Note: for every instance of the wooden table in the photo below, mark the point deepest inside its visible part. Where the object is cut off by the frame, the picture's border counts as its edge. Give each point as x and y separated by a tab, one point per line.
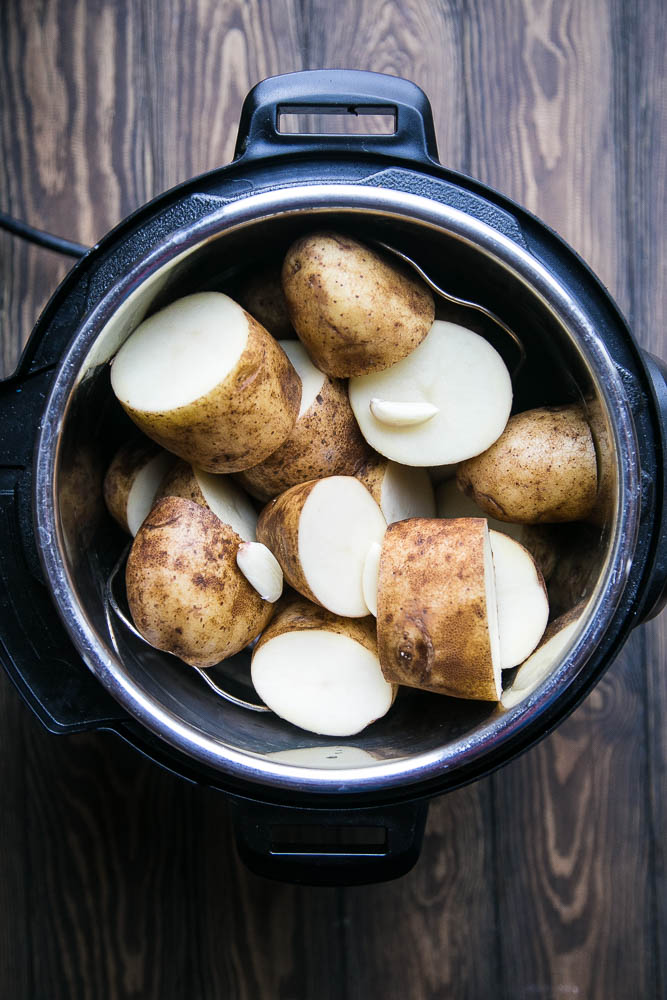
545	880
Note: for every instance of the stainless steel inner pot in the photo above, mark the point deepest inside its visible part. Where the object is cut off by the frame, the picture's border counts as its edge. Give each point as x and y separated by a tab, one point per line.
424	737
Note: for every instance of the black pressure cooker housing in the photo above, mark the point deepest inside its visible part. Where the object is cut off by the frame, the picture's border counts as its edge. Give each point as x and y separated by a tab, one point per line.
36	648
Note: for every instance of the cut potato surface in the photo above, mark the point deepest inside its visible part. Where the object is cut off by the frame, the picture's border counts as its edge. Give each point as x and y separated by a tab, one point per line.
325	440
132	482
523	607
185	592
541	470
533	671
207	382
312	379
221	494
437	614
186	348
321	672
454	370
400	491
320	533
356	311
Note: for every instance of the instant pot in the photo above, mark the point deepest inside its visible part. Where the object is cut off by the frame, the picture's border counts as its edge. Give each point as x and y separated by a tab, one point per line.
308	808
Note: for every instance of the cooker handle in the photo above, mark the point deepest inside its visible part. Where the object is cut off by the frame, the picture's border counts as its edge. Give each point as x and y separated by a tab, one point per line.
655	592
35	651
337	91
329	846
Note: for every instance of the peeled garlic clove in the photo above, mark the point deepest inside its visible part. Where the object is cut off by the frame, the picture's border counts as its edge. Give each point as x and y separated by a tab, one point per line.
401	413
261	569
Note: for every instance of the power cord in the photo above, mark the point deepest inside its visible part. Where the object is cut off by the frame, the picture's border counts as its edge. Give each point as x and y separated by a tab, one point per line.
42	239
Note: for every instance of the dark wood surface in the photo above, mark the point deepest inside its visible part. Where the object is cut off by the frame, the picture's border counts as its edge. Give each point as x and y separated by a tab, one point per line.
545	880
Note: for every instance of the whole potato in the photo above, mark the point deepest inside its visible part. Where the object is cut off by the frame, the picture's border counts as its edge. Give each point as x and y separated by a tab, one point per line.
355	311
185	591
542	469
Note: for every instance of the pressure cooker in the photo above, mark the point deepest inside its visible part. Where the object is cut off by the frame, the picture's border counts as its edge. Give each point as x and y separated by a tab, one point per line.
308	808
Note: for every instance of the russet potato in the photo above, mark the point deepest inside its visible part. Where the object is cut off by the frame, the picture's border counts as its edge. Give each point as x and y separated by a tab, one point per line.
320	671
354	310
206	381
218	493
437	616
132	482
325	440
261	294
542	469
185	591
320	533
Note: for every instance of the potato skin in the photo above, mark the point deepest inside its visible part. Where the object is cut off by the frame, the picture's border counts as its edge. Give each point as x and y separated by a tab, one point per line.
296	614
262	296
278	529
181	481
541	470
355	311
371	473
239	422
325	441
432	616
184	589
126	463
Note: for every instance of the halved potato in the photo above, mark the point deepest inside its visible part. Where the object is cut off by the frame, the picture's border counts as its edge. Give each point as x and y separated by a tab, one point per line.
219	493
542	469
325	440
320	671
523	606
132	482
206	381
399	490
460	376
320	533
437	616
355	310
185	592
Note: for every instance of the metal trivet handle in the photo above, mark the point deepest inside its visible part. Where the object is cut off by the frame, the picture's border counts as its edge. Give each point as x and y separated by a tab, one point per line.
111	604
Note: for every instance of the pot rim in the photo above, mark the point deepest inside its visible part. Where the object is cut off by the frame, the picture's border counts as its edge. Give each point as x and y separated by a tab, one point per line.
500	728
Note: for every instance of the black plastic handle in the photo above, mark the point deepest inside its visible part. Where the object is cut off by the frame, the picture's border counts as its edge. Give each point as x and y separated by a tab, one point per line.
337	91
329	846
34	648
655	592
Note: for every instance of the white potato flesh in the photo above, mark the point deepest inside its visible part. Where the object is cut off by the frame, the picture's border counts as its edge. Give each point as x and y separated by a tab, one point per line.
370	578
181	353
321	681
523	607
312	379
456	371
144	488
228	502
451	502
261	569
537	667
492	613
338	523
406	492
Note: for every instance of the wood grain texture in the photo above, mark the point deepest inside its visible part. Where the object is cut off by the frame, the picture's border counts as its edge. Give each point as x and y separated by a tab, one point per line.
546	880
